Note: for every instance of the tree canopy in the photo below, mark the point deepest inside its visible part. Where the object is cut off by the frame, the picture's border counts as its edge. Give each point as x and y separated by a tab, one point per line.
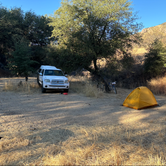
16	25
94	29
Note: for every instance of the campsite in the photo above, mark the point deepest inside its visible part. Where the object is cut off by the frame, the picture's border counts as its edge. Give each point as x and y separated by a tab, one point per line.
75	129
82	82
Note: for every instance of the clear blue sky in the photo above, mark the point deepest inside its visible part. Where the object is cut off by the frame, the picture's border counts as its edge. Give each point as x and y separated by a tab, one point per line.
150	12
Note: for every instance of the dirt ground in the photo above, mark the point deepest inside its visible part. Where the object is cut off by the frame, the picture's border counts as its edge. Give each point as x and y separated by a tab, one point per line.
42	116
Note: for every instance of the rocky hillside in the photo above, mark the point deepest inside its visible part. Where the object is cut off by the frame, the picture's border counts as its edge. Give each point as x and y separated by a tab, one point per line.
149	34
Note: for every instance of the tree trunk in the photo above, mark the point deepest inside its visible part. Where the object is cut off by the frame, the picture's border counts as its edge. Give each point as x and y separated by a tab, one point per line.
95	65
26	78
98	75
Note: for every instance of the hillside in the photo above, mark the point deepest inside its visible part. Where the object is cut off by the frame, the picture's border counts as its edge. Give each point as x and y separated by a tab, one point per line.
148	36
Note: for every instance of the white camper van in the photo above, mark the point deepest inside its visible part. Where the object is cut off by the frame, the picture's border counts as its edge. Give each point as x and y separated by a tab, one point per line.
49	77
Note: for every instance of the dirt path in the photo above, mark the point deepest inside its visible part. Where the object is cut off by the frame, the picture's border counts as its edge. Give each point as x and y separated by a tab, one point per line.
20	110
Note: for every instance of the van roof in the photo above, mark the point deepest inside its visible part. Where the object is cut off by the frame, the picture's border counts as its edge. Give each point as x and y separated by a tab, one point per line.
48	67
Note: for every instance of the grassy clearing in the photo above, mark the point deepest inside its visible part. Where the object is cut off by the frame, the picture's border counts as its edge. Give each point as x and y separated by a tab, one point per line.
21	86
85	86
141	143
78	84
158	85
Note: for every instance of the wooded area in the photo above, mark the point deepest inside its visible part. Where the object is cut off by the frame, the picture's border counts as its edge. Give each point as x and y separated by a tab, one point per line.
80	33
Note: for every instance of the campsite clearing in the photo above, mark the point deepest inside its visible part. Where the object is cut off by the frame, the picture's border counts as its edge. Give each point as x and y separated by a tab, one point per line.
34	126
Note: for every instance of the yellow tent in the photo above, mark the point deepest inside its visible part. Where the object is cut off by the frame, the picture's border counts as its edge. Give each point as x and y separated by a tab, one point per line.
140	98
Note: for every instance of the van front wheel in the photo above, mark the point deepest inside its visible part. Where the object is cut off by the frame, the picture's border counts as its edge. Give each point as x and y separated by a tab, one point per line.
43	90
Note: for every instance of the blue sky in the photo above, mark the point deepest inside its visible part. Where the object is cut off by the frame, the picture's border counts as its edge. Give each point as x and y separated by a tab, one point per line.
150	12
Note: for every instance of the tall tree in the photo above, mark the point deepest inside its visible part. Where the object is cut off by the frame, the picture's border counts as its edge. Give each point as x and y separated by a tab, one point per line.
94	29
154	61
10	29
20	63
15	25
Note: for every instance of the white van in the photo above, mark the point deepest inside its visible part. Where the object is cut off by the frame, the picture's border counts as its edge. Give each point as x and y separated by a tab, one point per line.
49	77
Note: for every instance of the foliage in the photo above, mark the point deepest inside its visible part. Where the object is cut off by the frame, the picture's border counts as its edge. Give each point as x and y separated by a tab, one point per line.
10	28
65	59
15	25
94	29
20	62
154	61
127	61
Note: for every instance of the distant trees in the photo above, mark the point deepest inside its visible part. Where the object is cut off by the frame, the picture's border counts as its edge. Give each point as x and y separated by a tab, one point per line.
154	61
15	25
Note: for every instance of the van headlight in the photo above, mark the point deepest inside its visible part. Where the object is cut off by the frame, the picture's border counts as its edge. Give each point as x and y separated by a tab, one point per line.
66	81
46	80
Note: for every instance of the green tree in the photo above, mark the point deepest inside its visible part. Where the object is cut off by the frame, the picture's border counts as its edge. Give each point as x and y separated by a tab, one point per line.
154	61
97	28
20	63
94	29
10	28
15	25
65	59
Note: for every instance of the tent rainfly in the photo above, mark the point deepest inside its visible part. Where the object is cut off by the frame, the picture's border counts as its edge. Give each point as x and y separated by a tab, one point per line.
140	98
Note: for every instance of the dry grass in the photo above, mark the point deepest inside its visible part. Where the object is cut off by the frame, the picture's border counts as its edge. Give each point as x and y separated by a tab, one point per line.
138	144
78	84
158	85
139	51
110	145
85	86
21	86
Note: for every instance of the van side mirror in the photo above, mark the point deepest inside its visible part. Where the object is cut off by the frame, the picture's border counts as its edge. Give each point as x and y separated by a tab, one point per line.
65	75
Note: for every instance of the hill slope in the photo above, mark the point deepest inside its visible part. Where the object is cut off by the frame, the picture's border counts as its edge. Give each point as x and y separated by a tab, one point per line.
148	36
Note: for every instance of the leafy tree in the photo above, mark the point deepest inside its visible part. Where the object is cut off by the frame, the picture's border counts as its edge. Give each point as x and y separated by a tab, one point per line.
154	61
20	63
65	59
36	29
94	29
10	24
15	25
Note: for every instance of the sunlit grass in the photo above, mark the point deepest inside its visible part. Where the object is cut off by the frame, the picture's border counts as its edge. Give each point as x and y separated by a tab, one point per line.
108	145
141	143
21	86
89	145
158	85
85	86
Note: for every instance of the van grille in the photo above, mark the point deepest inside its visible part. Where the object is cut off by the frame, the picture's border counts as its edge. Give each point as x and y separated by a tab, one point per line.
56	86
57	82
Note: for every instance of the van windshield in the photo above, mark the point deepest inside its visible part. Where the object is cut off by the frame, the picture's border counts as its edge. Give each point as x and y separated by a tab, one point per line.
53	73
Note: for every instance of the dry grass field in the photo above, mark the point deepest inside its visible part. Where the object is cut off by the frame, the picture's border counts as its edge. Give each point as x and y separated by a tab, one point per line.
158	85
85	127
